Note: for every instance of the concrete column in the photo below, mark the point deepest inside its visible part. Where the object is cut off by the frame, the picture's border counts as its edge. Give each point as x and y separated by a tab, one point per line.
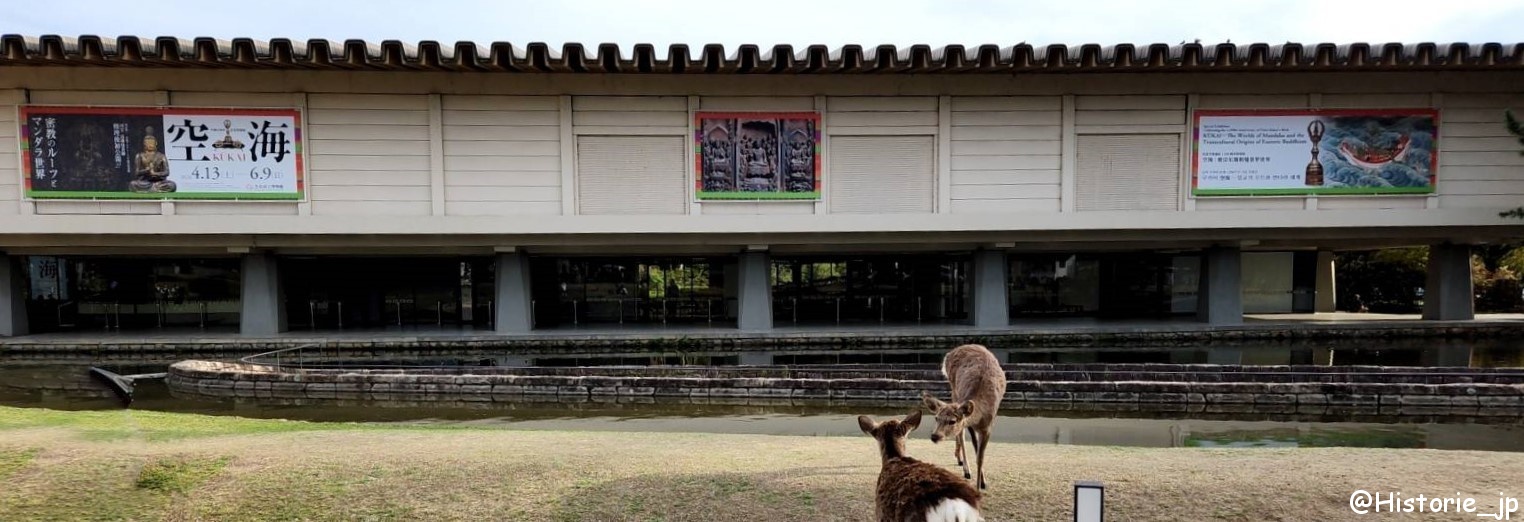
1324	296
990	291
1220	299
513	306
13	319
263	307
755	291
1447	294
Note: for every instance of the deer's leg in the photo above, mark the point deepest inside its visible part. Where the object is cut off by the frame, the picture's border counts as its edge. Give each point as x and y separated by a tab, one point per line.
973	438
979	445
961	455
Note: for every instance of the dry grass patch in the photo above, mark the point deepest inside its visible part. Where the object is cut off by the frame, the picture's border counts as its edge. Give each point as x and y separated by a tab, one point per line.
391	473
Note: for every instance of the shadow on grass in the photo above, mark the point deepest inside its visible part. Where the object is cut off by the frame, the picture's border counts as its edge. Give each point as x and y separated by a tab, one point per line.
812	493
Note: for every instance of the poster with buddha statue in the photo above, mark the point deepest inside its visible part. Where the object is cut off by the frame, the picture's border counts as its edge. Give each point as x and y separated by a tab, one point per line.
161	153
757	156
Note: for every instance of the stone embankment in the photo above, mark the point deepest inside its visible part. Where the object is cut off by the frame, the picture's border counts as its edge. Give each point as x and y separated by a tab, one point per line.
560	344
1301	389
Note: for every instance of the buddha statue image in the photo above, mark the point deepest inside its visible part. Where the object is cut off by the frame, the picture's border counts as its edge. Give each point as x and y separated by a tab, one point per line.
227	141
150	169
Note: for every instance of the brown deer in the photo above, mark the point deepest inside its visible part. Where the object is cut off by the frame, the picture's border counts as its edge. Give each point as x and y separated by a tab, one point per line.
978	384
913	491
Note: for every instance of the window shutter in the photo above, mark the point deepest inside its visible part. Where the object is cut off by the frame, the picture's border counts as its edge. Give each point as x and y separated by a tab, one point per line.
1127	172
631	175
882	174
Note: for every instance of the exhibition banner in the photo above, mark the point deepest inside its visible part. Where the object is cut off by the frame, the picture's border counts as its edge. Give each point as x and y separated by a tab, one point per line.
1314	151
757	155
161	153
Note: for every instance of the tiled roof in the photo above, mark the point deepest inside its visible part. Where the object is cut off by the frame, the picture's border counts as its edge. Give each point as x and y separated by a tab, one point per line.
245	53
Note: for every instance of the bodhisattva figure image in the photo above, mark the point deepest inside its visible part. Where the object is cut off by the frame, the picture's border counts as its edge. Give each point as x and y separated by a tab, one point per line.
150	169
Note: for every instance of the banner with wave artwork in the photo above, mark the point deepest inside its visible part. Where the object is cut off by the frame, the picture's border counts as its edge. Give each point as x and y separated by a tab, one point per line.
1315	151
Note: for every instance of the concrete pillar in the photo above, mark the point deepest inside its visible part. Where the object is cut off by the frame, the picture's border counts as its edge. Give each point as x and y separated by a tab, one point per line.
1447	294
13	319
990	290
1220	298
1323	294
513	305
263	307
755	292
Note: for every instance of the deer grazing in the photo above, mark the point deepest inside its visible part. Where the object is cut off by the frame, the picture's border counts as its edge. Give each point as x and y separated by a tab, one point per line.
978	384
913	491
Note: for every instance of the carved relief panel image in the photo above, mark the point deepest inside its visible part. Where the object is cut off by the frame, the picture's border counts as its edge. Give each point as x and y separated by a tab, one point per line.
753	156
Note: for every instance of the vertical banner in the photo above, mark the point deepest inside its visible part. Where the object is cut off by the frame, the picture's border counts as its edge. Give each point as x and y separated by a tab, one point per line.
1308	151
757	155
161	153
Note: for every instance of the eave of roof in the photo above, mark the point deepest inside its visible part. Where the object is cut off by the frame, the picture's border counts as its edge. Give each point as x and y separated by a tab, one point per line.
392	55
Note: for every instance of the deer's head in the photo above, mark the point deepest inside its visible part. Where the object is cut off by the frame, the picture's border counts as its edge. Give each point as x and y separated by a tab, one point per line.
950	416
891	433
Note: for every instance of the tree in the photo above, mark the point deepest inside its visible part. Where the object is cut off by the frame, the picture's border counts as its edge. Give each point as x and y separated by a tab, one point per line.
1516	128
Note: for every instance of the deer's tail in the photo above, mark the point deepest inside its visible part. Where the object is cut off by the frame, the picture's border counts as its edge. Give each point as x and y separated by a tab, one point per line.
953	510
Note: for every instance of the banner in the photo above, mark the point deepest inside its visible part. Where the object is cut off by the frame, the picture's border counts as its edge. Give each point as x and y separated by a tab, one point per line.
1311	151
161	153
757	155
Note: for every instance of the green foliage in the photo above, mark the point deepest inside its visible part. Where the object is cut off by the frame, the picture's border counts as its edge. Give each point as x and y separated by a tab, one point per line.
1388	281
154	425
1381	281
1497	290
1513	260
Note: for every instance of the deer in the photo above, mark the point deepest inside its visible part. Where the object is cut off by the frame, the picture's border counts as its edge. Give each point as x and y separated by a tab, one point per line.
913	491
978	384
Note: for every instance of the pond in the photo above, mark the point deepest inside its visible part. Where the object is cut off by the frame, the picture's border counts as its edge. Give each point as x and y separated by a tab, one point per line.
68	386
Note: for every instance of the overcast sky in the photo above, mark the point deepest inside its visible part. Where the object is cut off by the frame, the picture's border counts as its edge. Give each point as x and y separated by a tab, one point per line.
797	22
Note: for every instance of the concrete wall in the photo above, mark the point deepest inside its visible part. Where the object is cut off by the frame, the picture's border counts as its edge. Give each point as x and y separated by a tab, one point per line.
405	146
1221	386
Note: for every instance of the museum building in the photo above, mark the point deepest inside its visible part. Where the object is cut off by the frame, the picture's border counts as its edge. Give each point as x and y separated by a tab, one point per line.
272	186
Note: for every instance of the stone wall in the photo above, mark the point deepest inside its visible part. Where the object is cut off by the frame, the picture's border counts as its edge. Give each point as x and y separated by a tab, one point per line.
572	343
1394	391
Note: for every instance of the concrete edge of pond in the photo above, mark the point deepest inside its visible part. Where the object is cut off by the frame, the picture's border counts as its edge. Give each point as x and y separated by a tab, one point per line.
1439	394
685	341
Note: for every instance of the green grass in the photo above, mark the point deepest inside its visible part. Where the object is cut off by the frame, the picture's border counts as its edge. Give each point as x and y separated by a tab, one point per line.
156	426
179	474
12	460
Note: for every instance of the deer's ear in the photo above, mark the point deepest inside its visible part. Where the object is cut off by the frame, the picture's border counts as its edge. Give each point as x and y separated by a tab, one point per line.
966	408
866	424
931	402
911	422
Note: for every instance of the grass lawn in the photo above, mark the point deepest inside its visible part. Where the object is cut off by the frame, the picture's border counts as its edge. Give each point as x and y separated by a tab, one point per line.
138	465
